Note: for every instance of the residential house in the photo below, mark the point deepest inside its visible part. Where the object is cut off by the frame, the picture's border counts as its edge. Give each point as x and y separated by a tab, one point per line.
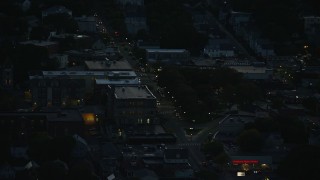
24	5
6	76
311	29
7	172
219	48
56	10
262	47
135	21
238	20
86	24
60	59
311	24
81	148
200	20
98	45
216	33
265	49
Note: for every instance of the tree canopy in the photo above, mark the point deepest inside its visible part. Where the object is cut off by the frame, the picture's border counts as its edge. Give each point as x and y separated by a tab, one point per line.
169	21
250	140
301	163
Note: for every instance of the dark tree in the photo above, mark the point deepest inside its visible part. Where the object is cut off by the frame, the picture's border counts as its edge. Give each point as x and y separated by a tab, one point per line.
61	23
250	140
301	163
213	148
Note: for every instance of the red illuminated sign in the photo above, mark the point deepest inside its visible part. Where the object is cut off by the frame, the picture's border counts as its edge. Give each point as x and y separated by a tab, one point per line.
245	161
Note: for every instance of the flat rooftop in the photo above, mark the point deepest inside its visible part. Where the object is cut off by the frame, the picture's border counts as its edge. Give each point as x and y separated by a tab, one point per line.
39	43
85	18
166	50
205	62
135	81
109	74
108	65
250	69
133	92
65	35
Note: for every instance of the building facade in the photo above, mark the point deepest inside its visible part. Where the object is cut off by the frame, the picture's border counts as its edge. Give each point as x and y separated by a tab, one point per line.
86	24
132	105
168	56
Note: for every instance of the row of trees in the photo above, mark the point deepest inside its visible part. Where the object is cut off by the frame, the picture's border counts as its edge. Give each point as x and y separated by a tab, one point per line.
172	26
202	91
279	20
292	130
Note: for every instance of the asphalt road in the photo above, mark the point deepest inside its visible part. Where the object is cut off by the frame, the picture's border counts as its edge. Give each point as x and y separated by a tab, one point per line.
172	122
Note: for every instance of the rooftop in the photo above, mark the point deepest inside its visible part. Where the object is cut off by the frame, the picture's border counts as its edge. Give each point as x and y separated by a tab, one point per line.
65	35
85	18
108	65
250	69
56	9
109	74
135	81
166	50
132	92
39	43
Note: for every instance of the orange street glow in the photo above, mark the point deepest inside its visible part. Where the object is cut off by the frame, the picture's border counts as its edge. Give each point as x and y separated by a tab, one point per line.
89	118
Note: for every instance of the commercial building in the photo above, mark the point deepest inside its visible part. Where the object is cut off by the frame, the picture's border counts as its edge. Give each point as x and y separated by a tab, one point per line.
59	88
56	123
57	92
108	65
132	105
168	56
